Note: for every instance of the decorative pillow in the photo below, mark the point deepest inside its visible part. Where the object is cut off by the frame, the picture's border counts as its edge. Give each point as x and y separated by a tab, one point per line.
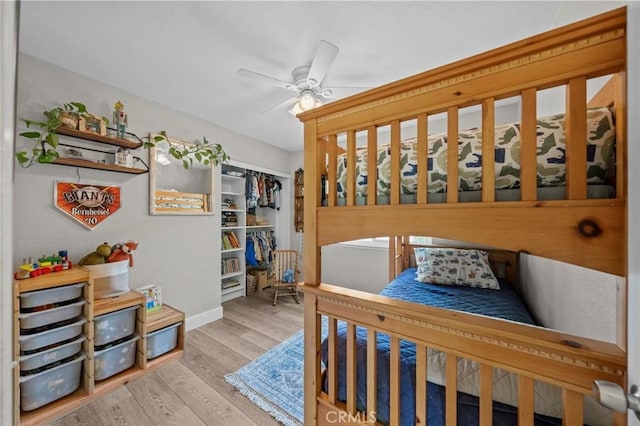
451	266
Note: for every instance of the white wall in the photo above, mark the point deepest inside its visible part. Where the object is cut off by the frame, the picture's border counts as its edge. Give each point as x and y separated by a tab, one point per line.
358	268
569	298
178	253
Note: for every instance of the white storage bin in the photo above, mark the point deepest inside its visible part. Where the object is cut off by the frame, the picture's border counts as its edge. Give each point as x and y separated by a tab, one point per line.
162	341
50	316
114	359
109	279
53	295
49	356
32	342
42	388
114	326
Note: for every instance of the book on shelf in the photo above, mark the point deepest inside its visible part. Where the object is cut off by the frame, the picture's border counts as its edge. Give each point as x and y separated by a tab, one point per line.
230	241
230	265
230	283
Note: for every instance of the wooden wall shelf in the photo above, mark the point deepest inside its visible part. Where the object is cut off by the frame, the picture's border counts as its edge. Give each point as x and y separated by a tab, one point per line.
100	139
121	142
98	166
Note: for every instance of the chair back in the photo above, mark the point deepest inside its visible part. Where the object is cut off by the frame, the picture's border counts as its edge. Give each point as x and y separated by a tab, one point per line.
284	260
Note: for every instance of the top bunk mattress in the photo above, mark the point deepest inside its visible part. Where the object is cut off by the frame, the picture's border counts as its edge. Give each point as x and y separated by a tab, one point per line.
551	170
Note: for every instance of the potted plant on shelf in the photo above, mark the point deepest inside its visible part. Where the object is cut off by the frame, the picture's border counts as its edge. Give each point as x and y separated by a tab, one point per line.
46	140
45	149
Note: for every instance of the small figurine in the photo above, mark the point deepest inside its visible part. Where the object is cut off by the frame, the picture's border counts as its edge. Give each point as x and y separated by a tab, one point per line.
120	119
124	158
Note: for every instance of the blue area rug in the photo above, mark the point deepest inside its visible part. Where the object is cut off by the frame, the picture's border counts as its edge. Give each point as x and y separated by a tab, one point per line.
275	380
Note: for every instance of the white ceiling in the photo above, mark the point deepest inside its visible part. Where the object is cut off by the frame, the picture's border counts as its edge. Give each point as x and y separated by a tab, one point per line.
186	54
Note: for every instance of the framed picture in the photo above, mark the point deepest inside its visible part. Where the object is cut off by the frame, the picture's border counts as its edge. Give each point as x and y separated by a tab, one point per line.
92	124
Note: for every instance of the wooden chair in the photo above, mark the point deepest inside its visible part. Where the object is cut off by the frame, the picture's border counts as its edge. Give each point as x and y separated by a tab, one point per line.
285	265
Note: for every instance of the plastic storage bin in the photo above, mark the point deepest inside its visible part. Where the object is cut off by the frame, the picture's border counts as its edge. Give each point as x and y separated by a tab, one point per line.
53	295
33	342
114	326
114	359
50	316
109	279
162	341
49	356
42	388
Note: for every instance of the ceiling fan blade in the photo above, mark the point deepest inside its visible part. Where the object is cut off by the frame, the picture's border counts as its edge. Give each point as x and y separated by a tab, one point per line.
279	104
242	72
322	61
340	92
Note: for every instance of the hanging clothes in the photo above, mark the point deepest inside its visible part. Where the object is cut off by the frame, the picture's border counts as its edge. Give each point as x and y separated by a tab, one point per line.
262	184
260	248
275	197
252	191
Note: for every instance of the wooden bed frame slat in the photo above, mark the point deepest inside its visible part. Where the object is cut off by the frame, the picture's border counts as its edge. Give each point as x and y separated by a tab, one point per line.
576	134
528	153
452	155
488	151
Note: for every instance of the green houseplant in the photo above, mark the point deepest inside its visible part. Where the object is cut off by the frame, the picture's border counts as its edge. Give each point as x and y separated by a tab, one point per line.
46	139
45	149
206	152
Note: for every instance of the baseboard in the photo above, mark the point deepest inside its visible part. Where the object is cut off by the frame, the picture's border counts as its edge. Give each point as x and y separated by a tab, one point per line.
203	318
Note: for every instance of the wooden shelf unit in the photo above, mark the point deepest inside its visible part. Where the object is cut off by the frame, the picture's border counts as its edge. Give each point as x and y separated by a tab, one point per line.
86	164
298	208
89	388
94	137
100	139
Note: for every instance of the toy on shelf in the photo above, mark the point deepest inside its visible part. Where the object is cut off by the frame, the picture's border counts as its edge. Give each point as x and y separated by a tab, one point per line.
98	257
123	251
153	298
120	119
44	265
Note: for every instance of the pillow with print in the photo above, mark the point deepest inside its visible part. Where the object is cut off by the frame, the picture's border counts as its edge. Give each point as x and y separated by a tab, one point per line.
449	266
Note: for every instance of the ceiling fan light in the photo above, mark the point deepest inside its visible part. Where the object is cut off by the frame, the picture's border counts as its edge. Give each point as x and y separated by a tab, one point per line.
307	101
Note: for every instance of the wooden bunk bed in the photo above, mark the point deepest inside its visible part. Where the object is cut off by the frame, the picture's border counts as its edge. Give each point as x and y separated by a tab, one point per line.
577	228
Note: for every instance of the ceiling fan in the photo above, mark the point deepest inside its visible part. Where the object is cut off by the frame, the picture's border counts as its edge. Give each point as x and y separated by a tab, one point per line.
306	81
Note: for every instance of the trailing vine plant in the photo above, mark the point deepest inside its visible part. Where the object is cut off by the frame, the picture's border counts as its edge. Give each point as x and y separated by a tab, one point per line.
46	141
206	153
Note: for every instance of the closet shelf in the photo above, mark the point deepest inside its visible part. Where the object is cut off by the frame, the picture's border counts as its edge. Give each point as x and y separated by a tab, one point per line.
231	274
260	226
233	250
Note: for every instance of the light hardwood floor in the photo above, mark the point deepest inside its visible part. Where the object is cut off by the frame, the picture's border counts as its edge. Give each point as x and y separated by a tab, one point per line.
192	390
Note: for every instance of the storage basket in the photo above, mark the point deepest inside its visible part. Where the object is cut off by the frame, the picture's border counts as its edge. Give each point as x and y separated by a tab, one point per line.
50	296
49	356
252	284
251	220
39	341
114	359
162	341
50	316
42	388
109	279
114	326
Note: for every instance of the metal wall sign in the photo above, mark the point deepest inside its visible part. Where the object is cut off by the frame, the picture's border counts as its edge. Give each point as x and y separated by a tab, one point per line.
88	204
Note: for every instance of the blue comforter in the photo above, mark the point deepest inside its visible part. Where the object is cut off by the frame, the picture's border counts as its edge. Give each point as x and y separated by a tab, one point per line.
505	304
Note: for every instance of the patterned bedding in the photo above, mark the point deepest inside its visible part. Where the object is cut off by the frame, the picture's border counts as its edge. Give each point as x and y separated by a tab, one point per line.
551	157
505	304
